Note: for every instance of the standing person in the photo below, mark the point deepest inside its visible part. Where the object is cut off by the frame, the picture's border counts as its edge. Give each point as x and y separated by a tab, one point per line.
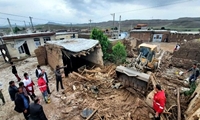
21	84
159	101
14	71
21	103
1	94
12	90
36	111
43	87
28	84
38	71
59	77
194	75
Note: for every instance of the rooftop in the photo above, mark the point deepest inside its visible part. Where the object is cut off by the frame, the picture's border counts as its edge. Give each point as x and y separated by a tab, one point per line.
27	35
65	33
75	45
145	30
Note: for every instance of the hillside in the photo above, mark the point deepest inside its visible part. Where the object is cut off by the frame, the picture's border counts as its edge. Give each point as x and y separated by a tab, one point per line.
180	24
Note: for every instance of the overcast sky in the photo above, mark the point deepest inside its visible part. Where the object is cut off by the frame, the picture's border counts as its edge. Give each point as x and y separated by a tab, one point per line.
80	11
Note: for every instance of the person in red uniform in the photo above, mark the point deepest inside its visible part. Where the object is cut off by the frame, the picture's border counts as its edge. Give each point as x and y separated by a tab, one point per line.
159	101
43	87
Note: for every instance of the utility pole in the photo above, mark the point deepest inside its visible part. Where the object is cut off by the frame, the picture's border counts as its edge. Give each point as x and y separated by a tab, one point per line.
25	24
90	23
119	26
113	14
15	25
49	28
31	23
10	25
71	27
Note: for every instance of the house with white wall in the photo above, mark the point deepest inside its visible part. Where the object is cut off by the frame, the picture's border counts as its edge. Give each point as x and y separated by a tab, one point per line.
20	45
66	35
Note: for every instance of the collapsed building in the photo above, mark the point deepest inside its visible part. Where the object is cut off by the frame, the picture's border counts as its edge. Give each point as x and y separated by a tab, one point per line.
71	52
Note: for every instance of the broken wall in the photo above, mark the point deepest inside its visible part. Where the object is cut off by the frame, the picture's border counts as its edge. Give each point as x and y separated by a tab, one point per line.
187	54
145	36
193	111
41	55
54	55
95	56
178	37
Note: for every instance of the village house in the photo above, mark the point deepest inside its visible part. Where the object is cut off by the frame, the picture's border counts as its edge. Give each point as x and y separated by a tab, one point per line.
72	52
65	35
20	45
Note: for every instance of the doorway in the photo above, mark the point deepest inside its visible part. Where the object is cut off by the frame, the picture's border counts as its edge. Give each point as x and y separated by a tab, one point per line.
26	50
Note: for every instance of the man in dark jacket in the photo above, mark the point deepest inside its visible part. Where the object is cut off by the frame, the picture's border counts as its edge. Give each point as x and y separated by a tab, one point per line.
12	90
36	111
59	77
194	75
22	103
39	71
14	71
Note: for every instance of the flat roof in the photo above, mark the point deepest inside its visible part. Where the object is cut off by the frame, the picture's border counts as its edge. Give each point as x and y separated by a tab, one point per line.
75	45
145	30
65	33
27	35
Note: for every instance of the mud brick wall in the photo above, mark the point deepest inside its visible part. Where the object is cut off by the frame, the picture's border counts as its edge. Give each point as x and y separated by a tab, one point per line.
145	36
188	54
41	55
177	37
54	55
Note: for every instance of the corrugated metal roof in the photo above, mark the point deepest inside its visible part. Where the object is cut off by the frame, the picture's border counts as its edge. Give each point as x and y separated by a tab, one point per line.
75	45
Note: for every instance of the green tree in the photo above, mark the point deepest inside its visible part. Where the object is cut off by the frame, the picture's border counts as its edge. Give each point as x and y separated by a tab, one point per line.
119	53
16	29
103	40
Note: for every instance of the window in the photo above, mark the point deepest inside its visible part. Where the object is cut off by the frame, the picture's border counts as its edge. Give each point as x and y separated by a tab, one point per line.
37	42
46	39
21	49
62	38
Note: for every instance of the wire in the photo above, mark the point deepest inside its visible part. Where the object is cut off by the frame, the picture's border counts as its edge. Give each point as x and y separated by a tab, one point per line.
13	20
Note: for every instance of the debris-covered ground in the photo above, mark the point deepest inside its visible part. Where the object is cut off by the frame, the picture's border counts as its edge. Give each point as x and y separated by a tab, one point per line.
93	89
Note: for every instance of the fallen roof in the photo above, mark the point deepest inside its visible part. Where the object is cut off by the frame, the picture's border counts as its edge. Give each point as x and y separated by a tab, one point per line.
27	35
75	45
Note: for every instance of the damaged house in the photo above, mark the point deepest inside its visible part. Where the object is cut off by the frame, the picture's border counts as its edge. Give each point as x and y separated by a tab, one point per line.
71	52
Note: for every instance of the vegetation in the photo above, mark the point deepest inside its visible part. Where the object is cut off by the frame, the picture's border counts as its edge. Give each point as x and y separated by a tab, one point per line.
16	29
103	40
115	54
119	53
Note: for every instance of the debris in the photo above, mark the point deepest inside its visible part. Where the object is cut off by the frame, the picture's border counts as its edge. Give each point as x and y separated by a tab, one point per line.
116	85
178	105
92	114
74	87
86	112
94	89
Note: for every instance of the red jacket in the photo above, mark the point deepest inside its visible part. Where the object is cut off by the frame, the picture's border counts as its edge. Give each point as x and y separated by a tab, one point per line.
159	101
42	84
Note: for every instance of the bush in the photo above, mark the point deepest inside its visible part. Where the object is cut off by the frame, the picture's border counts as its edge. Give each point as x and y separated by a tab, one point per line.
119	53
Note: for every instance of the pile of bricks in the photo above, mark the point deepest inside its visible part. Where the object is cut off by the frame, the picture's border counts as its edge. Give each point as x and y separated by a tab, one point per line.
40	53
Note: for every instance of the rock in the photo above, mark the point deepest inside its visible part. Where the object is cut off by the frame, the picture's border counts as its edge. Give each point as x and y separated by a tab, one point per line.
151	116
74	87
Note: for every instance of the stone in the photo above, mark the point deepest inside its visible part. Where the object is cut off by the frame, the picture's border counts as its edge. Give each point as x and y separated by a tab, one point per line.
86	112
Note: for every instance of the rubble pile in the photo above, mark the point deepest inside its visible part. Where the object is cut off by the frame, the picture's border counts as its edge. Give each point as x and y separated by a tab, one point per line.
94	90
187	54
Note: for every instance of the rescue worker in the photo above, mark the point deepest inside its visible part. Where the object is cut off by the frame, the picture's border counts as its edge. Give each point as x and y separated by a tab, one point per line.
14	71
12	90
38	71
195	74
21	103
43	87
59	77
1	94
36	111
159	101
28	84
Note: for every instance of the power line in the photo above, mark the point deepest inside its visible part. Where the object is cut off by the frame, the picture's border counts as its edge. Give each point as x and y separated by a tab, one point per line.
13	20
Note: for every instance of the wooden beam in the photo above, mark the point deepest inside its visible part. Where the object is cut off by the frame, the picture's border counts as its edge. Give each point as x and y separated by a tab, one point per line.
178	104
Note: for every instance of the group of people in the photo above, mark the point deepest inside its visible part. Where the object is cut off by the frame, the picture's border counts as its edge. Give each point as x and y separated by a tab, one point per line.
20	95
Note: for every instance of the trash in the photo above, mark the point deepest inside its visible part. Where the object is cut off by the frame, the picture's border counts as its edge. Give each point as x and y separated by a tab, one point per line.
181	73
86	112
116	85
74	87
94	89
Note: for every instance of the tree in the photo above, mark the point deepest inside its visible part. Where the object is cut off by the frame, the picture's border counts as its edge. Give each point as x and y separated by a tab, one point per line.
16	29
103	40
162	28
119	53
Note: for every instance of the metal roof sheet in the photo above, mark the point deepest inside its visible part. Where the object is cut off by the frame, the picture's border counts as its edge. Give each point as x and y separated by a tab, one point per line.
75	45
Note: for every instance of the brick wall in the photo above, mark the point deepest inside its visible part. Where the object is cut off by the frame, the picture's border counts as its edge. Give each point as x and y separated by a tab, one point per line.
41	55
177	37
144	36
